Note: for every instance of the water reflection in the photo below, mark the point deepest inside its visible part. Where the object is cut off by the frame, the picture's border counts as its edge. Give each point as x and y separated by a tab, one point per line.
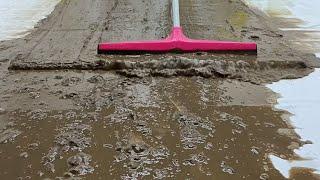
300	97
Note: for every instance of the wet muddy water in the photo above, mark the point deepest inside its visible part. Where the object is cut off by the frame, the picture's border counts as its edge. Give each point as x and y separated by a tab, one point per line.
160	128
65	124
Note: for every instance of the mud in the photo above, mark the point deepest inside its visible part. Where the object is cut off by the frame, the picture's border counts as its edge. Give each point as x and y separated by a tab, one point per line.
73	114
9	135
64	42
72	137
145	127
80	164
232	68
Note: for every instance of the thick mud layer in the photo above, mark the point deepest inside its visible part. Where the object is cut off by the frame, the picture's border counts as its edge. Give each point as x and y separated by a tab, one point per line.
196	116
221	67
154	128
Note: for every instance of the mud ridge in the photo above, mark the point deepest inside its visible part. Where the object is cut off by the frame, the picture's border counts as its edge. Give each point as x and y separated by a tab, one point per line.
180	66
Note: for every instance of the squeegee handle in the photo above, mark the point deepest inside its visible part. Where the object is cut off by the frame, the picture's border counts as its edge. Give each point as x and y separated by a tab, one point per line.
175	13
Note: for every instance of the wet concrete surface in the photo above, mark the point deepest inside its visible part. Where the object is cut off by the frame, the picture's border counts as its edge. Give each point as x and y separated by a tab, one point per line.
97	124
68	38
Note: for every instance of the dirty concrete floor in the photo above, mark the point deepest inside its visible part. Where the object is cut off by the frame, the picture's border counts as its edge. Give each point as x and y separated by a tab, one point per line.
214	121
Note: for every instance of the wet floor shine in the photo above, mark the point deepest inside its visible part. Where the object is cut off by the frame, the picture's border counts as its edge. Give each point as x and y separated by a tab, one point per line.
300	97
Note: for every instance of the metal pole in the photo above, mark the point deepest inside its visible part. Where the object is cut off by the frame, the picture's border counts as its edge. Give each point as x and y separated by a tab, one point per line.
175	13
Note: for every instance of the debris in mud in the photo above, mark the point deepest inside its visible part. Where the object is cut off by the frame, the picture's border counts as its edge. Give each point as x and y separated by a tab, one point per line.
196	159
135	145
139	157
70	81
226	168
264	176
38	114
190	127
209	146
34	95
142	127
121	115
71	114
33	146
95	79
24	155
71	137
109	146
9	135
255	150
234	120
160	174
190	137
48	160
26	90
74	136
80	164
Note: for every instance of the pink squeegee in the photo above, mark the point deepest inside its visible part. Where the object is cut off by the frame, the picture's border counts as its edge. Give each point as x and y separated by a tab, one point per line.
177	41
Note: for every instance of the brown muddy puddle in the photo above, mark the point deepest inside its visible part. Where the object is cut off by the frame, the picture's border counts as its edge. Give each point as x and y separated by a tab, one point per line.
95	125
152	128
